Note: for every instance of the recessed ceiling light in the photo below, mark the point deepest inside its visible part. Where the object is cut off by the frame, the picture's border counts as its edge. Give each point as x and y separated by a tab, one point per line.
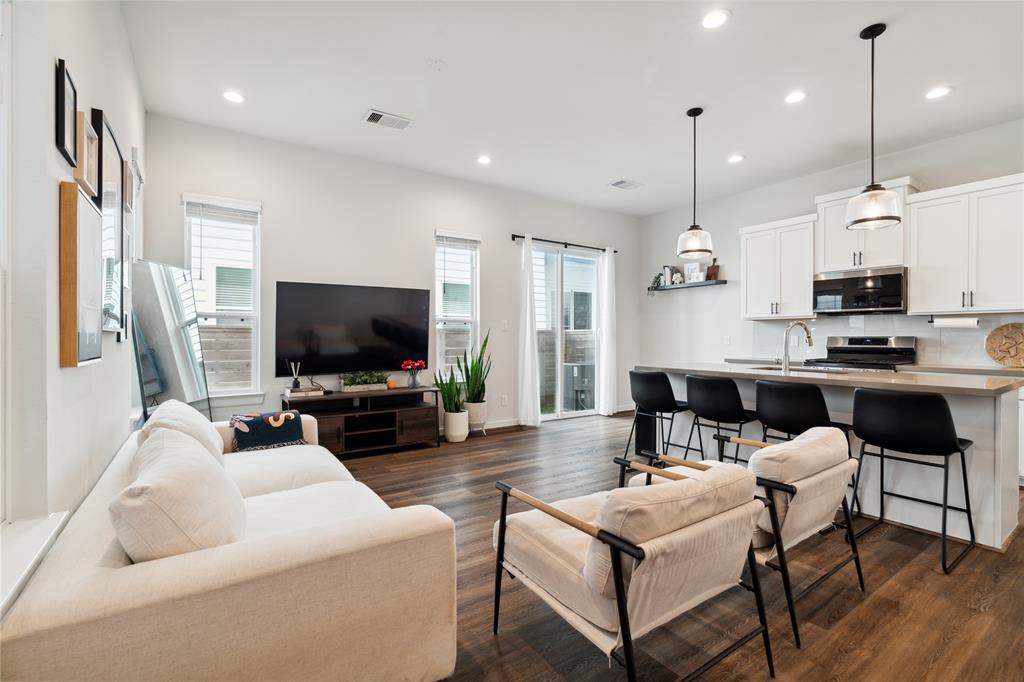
715	18
937	92
796	96
234	96
483	160
735	158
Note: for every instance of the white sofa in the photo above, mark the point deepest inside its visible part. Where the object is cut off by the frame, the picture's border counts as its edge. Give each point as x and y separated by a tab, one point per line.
327	583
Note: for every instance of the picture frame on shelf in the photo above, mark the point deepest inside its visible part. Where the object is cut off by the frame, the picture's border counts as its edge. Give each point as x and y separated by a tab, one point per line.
87	170
693	273
81	278
110	200
66	114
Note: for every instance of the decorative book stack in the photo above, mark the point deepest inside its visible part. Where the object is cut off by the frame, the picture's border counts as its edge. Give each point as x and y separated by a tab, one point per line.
305	392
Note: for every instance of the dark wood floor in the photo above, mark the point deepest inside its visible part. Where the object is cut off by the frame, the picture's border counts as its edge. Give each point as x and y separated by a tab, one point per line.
913	623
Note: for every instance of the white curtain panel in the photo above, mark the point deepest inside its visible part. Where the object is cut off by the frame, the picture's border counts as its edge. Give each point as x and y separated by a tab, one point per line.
529	382
606	370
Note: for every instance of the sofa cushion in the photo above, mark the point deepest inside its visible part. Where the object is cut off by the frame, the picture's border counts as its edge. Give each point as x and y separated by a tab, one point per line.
182	417
812	451
181	500
287	511
267	471
553	556
266	431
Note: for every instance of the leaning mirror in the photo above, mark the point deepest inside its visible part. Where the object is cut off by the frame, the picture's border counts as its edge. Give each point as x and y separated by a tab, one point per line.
168	352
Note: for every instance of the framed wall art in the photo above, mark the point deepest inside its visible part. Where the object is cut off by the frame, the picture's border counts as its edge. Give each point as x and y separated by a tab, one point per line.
110	200
87	170
81	278
66	114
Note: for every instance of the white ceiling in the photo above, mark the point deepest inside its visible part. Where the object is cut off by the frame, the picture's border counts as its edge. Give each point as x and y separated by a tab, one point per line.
569	97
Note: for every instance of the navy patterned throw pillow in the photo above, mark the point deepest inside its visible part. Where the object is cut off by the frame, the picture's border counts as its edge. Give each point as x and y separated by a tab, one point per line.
267	430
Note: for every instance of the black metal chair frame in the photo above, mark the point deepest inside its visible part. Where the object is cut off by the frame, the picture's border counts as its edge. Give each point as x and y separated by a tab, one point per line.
718	432
618	546
947	566
666	436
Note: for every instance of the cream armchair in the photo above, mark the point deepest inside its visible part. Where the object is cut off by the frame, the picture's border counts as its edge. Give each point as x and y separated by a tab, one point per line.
803	483
616	565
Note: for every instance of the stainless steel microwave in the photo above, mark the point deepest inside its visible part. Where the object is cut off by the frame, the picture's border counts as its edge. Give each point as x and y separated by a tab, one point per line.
857	292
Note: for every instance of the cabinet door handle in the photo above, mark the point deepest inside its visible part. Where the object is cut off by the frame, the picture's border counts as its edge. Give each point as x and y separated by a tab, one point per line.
963	299
860	258
854	258
972	299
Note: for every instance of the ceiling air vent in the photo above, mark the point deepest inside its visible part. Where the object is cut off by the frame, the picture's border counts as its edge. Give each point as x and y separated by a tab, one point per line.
387	120
626	184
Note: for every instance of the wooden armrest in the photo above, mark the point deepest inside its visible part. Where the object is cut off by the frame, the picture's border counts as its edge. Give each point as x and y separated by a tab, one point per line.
554	512
699	466
746	441
637	466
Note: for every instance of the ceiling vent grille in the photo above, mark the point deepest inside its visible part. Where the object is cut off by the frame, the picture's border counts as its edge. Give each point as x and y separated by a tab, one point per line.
387	120
626	184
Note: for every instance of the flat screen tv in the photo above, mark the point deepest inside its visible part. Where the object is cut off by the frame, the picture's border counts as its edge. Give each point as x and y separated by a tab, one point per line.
333	328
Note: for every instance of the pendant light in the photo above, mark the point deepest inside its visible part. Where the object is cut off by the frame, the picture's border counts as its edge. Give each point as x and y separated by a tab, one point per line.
695	243
875	207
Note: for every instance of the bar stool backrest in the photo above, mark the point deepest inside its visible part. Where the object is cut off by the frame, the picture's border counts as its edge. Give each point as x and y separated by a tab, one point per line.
915	423
791	408
652	391
715	399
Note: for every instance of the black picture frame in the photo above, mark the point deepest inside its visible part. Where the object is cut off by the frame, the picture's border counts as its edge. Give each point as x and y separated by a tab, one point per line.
110	200
65	114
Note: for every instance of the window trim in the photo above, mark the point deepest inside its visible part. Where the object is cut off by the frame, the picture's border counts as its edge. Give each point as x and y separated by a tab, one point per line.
255	386
474	297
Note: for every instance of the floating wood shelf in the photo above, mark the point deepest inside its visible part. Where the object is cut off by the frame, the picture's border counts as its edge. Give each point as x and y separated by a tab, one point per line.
689	285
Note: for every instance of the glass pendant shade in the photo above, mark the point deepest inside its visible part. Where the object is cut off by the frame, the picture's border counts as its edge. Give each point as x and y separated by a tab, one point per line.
874	208
694	244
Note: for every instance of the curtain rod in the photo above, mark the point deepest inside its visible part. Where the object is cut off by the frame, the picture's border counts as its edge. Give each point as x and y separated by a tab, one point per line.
565	244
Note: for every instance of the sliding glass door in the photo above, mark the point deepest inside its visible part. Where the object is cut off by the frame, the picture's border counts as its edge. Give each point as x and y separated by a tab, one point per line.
565	294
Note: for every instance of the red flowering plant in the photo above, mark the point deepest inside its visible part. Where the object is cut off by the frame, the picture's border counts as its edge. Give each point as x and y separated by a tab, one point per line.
413	367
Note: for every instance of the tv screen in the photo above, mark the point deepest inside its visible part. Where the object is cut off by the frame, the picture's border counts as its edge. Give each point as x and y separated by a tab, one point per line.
333	329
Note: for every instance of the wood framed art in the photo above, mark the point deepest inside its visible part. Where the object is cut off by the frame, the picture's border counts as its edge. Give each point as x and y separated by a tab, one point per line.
66	114
129	187
110	200
87	170
81	278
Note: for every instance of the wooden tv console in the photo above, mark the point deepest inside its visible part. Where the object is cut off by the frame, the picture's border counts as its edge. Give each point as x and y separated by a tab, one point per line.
362	422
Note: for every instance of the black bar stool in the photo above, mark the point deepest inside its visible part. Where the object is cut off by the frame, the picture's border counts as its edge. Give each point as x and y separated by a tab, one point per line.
917	424
653	395
717	400
791	409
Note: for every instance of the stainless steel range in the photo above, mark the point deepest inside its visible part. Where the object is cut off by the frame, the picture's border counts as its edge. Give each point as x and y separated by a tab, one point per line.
878	353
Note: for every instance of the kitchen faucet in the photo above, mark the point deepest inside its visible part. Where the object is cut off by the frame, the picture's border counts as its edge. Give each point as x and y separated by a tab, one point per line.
785	354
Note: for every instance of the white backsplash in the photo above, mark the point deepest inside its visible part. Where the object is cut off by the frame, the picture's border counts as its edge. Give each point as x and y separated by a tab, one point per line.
934	346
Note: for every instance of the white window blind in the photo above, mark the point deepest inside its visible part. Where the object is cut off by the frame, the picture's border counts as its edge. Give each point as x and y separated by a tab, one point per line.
223	240
456	291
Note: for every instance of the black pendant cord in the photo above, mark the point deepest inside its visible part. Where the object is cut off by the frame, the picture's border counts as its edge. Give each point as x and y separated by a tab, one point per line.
872	111
694	171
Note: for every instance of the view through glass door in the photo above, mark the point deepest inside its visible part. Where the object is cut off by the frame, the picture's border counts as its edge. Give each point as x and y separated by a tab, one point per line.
565	294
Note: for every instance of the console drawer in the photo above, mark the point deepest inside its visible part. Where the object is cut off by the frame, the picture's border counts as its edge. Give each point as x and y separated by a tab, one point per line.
417	425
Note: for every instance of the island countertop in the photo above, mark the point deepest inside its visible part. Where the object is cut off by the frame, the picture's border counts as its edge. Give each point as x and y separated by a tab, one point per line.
923	382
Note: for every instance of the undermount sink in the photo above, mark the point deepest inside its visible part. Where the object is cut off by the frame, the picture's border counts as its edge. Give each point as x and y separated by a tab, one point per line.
832	370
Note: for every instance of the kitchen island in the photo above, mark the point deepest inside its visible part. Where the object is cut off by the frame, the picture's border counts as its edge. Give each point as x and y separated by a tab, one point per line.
984	410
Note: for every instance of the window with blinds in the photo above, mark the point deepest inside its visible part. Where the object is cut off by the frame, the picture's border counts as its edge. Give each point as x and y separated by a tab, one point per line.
456	292
222	245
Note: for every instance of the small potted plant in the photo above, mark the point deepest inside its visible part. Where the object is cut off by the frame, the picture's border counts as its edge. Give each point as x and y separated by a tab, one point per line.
474	370
364	381
412	368
456	419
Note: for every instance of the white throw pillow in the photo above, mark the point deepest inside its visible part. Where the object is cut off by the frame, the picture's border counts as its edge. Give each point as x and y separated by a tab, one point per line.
181	501
182	417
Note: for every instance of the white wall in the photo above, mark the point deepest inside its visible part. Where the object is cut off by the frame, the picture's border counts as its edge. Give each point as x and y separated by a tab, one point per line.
695	324
66	423
337	219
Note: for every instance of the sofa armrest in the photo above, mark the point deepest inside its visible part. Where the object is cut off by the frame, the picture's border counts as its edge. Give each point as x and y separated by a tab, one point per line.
364	598
310	432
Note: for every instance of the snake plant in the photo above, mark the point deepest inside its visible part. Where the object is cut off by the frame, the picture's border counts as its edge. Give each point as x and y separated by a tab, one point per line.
474	370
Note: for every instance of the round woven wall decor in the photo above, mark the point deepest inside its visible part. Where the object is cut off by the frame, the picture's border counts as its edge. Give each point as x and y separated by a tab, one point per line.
1005	344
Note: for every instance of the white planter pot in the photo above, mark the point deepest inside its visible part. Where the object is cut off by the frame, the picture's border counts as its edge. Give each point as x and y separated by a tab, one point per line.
477	416
456	426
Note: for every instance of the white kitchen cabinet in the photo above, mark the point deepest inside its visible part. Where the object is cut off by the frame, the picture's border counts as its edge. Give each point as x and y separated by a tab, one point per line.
777	266
967	247
837	248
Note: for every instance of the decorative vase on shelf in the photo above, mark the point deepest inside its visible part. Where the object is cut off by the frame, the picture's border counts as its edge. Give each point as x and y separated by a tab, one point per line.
412	368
